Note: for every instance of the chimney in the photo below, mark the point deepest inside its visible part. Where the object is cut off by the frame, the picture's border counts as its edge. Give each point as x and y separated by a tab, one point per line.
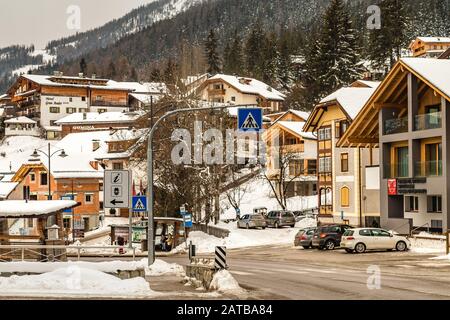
241	80
94	76
56	73
84	115
81	75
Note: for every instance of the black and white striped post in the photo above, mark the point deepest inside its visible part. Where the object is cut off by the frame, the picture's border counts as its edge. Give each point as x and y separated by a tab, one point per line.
192	252
220	259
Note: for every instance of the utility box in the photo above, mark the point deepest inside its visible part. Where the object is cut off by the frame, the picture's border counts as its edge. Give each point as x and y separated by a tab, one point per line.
53	233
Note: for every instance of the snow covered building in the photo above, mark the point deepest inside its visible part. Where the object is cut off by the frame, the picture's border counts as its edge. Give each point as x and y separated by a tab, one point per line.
429	47
408	119
94	121
48	99
21	126
295	165
345	192
241	91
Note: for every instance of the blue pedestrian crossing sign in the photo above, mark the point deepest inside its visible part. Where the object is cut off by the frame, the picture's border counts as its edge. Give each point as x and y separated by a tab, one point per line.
187	217
250	119
139	204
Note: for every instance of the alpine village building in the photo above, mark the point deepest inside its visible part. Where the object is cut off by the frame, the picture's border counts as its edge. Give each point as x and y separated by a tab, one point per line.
347	193
407	118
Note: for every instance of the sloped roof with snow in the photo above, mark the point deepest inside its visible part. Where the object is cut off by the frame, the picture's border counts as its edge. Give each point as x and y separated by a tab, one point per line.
20	208
22	120
95	117
253	87
434	39
6	188
351	99
302	114
436	71
297	127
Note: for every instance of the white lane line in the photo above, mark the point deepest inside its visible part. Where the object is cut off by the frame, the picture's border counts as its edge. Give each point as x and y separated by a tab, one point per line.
241	273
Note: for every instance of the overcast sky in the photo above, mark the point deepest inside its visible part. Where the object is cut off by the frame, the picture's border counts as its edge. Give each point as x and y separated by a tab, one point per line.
39	21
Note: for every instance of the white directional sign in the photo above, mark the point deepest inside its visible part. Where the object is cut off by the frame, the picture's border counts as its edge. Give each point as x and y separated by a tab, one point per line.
117	188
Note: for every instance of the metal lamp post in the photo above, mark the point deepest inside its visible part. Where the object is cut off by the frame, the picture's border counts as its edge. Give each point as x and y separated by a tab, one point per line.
150	232
49	155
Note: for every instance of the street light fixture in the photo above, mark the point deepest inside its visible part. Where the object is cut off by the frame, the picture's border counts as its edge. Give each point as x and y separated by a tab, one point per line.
49	155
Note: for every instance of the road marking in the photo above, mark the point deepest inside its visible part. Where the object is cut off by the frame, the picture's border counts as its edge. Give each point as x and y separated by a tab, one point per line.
241	273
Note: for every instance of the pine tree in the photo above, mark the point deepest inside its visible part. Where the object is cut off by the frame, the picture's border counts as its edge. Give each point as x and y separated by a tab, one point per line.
155	75
284	74
170	72
83	66
270	61
112	70
337	49
254	57
385	44
212	56
233	56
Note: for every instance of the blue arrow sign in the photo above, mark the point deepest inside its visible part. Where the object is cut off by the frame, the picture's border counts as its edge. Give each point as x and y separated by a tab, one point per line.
250	119
139	204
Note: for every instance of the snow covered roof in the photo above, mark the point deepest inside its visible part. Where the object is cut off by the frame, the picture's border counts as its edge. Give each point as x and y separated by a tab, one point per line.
370	84
6	188
297	127
435	71
48	80
16	150
233	112
124	135
352	99
434	39
21	120
302	114
20	208
95	117
251	86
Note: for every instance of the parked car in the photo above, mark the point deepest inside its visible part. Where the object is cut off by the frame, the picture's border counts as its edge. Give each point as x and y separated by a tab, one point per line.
252	221
300	215
360	240
260	210
304	237
329	236
280	218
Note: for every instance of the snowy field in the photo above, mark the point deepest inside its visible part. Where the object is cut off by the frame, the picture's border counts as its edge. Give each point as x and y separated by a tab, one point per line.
258	193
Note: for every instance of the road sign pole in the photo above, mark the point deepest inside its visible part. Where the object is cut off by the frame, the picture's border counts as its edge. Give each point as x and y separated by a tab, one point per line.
151	231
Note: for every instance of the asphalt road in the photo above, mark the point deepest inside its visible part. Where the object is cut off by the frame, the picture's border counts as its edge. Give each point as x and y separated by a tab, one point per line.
293	273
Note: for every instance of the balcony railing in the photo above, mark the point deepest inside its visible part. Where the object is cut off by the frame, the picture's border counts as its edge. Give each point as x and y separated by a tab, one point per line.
393	126
393	171
104	103
428	169
428	121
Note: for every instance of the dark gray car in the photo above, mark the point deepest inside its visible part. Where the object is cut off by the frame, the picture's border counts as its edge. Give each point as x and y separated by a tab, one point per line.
252	221
304	237
280	218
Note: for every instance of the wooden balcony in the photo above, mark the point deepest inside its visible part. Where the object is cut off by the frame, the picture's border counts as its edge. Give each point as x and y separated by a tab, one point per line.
216	92
293	148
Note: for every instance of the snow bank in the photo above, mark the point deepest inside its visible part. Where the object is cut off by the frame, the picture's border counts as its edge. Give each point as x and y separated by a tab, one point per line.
73	280
444	257
430	245
223	281
159	267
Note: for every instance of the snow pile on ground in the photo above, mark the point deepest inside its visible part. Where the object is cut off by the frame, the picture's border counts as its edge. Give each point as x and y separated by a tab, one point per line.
258	193
223	281
444	257
73	280
427	243
161	267
307	223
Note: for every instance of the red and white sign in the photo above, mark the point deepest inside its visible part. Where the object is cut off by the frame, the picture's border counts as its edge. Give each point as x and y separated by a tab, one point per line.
392	187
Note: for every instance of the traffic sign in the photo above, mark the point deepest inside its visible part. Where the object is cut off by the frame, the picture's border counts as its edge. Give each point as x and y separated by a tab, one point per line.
187	217
250	119
67	198
139	204
117	188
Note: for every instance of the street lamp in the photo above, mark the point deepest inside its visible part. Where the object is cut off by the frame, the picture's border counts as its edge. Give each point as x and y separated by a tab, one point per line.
49	155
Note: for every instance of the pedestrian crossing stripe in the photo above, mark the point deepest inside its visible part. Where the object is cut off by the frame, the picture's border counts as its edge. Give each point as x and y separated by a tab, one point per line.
250	122
139	205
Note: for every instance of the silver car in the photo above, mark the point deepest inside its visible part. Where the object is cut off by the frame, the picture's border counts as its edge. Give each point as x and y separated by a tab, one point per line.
252	221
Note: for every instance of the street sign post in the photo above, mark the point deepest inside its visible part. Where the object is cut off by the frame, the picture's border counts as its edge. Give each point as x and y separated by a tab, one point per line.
250	119
117	188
